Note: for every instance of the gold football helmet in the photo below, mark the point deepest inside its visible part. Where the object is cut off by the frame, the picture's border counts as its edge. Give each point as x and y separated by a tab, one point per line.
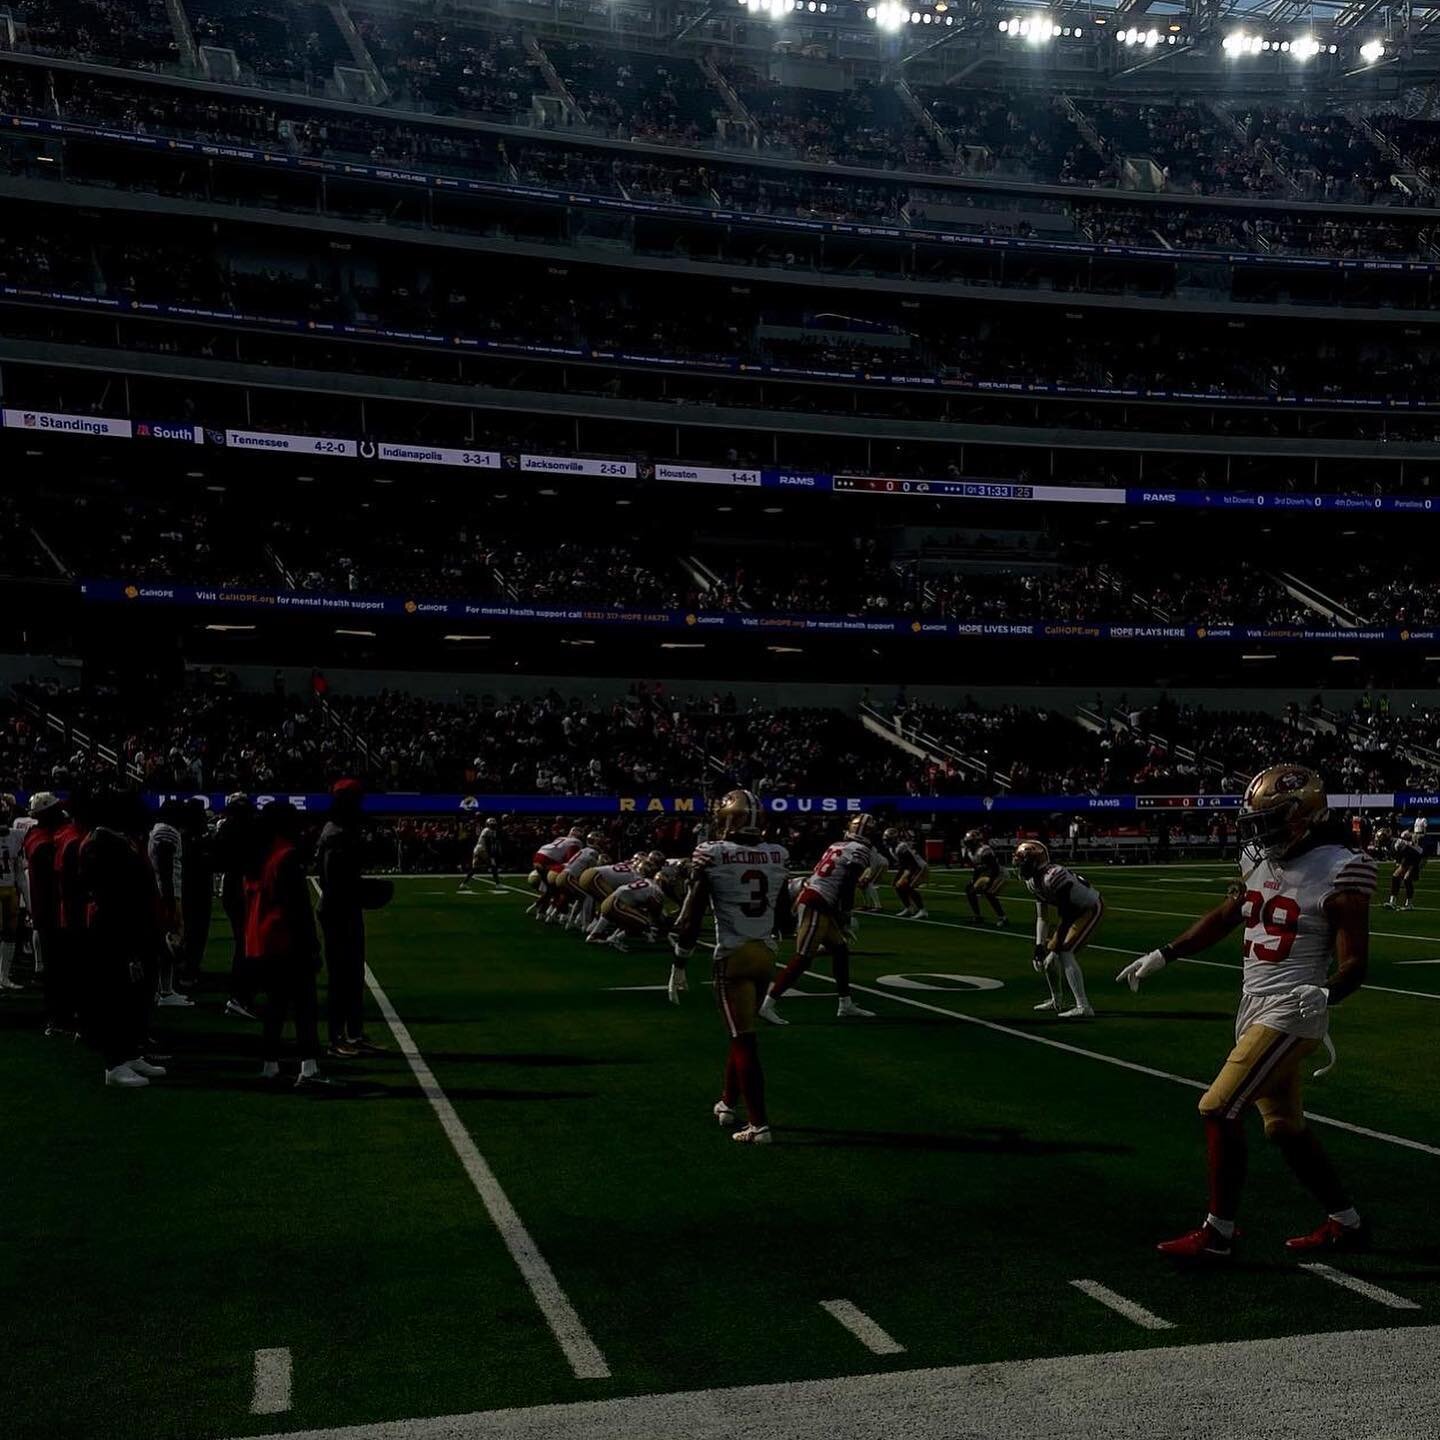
595	840
891	835
738	813
656	859
861	827
1281	805
973	840
1030	858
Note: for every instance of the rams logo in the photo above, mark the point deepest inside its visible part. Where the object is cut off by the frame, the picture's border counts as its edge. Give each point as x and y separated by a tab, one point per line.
1404	634
914	627
1201	633
690	620
132	592
411	607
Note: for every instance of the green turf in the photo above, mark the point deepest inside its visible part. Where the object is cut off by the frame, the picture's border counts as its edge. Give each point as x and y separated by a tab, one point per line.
947	1179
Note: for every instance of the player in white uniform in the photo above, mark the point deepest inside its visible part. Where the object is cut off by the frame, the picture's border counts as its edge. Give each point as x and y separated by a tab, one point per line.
986	876
548	862
578	907
1304	900
485	855
1078	911
823	908
636	910
911	872
10	839
742	879
22	825
1408	859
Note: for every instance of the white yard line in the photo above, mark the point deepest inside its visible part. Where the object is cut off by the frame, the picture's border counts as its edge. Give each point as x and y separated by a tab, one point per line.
570	1333
862	1327
1121	1306
270	1392
1403	1141
1361	1287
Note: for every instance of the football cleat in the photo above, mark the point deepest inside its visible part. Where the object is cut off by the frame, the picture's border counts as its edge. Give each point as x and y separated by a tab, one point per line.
1078	1012
240	1010
1332	1235
754	1135
125	1077
848	1009
1045	1005
921	914
617	942
771	1012
725	1115
1001	923
1407	906
341	1050
1206	1243
1390	905
174	997
464	889
9	984
141	1066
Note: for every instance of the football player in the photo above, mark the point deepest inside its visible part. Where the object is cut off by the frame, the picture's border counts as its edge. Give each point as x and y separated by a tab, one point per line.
986	876
741	879
1304	902
571	899
485	856
10	840
1078	910
911	872
822	909
636	910
1408	857
600	882
548	861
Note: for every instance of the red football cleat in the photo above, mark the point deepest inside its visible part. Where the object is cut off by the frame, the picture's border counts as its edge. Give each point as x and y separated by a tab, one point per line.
1332	1235
1205	1243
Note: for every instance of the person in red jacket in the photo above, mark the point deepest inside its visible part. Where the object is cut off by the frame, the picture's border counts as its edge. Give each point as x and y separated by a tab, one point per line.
280	939
59	976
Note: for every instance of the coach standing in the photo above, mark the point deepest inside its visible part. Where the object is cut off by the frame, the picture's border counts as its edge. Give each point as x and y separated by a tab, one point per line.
339	861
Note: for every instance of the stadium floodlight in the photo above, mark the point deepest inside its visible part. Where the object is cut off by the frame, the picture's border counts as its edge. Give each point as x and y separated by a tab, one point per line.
1305	48
888	15
1371	51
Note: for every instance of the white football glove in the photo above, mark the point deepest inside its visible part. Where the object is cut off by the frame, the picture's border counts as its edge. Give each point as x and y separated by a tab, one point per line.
1313	1000
1142	969
678	985
682	952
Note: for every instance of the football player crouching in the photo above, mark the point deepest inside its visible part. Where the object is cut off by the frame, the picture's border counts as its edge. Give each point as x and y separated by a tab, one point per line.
636	911
986	876
1408	859
1078	911
911	872
548	861
1304	902
740	879
571	898
600	882
822	919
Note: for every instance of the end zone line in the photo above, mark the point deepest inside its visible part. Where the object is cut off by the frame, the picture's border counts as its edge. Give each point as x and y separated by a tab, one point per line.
1361	1287
270	1389
565	1324
1121	1306
1115	1060
862	1327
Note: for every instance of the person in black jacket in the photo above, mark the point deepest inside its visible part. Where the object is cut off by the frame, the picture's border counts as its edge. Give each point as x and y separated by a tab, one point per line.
233	843
340	863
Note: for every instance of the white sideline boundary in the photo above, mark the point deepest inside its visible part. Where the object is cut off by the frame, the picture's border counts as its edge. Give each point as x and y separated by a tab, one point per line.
565	1324
1381	1384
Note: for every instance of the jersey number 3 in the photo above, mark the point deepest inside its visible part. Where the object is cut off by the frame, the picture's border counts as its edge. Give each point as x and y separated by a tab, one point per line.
1279	917
759	902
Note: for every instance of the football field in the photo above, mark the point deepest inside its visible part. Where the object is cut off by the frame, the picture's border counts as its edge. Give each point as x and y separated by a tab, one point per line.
526	1202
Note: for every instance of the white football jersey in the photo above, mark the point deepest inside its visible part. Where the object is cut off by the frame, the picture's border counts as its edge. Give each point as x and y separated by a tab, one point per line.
561	848
641	894
838	871
745	882
10	839
612	877
1068	892
1288	939
984	859
581	861
1420	827
907	857
487	841
21	827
